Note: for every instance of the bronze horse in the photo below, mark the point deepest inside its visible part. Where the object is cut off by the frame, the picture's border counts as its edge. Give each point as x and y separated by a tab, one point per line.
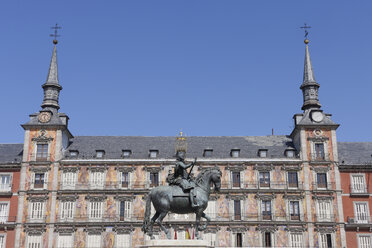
172	199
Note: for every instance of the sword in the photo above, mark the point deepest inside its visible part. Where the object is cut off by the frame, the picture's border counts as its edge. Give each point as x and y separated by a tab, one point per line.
193	163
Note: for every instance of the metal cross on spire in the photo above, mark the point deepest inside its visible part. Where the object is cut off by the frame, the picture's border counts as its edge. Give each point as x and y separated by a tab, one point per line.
55	35
305	27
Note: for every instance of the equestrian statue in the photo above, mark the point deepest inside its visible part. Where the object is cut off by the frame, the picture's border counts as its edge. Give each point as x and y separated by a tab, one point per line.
184	195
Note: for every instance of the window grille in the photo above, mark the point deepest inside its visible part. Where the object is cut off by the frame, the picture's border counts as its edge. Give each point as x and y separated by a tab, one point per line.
37	210
67	210
95	210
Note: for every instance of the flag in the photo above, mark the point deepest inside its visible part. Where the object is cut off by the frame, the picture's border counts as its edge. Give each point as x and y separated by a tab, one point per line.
175	234
187	234
193	233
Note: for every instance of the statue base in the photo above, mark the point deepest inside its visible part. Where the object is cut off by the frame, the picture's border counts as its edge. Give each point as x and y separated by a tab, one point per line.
166	243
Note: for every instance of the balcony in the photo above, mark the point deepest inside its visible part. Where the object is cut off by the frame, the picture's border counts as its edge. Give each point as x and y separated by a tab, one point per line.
42	158
324	218
323	186
359	191
6	189
319	157
36	219
358	222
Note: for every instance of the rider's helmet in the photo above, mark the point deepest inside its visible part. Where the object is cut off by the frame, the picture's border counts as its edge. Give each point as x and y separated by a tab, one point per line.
180	156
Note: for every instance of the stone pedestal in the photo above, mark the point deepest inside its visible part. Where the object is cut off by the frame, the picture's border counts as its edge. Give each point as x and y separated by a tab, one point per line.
165	243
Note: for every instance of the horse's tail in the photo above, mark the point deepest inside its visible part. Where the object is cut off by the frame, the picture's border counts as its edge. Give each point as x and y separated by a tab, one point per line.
146	221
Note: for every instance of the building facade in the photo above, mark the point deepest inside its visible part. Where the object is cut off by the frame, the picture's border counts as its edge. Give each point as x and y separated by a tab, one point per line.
356	177
90	191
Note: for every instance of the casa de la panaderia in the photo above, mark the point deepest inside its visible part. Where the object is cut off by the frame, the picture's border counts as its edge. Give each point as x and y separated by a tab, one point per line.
304	189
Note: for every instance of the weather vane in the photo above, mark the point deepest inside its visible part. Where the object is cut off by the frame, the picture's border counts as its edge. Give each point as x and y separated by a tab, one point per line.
55	35
305	27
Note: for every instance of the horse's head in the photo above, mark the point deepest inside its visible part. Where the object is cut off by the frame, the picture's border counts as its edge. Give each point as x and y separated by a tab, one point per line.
216	178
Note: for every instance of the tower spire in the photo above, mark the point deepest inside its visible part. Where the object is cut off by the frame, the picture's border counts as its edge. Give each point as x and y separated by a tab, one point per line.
51	86
309	87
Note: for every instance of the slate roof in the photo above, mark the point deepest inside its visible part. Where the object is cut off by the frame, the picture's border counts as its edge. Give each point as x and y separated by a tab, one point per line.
140	146
355	153
11	153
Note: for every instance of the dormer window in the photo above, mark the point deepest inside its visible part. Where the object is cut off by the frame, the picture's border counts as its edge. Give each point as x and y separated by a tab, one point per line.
100	153
154	153
126	153
74	154
262	153
208	153
235	153
290	153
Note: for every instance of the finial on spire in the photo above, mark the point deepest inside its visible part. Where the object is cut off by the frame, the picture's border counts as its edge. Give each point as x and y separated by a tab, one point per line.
55	35
305	27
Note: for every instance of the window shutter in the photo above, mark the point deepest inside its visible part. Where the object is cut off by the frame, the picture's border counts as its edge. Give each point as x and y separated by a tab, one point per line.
130	178
128	208
32	180
123	241
46	174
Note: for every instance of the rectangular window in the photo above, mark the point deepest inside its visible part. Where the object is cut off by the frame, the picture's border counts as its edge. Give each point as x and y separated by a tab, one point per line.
74	154
154	179
210	238
324	208
4	210
123	241
266	209
237	210
153	153
34	241
125	210
39	181
235	153
124	179
37	210
65	241
321	180
100	153
211	209
2	241
93	241
325	240
294	210
361	212
97	179
292	179
68	179
290	153
5	182
239	240
264	179
296	240
358	184
236	179
319	151
95	210
364	241
67	211
42	152
208	153
262	153
126	153
267	239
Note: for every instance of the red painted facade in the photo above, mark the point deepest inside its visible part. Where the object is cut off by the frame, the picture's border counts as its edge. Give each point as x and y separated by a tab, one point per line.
8	223
358	221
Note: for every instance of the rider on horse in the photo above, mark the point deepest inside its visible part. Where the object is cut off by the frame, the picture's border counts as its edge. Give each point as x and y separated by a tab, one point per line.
182	178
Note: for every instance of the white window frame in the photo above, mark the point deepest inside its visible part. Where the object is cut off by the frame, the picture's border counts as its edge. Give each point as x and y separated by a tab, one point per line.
68	183
242	207
125	240
69	216
128	209
3	245
320	240
299	206
233	240
241	180
297	243
130	179
287	177
34	155
5	218
36	239
70	240
271	208
358	218
258	180
319	215
45	185
210	237
94	241
315	176
96	216
363	235
42	210
272	237
5	187
364	185
93	182
312	148
211	209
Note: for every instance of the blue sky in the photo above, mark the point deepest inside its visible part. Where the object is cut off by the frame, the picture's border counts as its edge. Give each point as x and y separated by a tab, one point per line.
209	67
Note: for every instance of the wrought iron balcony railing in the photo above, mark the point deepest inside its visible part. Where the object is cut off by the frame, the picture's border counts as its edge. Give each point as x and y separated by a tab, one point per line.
324	217
323	186
359	219
359	190
319	157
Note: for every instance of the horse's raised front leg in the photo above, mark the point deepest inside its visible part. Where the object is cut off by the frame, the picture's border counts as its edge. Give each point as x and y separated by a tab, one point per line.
206	224
159	221
197	225
153	219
